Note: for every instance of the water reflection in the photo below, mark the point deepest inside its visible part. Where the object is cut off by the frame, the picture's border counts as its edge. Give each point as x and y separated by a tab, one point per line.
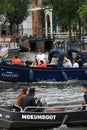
54	93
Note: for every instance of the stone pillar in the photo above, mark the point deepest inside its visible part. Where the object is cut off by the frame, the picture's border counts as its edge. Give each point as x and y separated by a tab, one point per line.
48	12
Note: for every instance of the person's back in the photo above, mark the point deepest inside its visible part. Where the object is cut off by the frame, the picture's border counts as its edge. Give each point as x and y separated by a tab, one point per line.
30	100
21	96
16	60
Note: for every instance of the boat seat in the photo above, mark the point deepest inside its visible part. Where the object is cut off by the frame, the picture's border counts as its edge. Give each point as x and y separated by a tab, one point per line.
33	109
17	108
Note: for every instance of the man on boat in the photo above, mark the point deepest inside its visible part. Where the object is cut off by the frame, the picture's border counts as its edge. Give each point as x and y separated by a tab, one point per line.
85	97
85	93
31	101
41	56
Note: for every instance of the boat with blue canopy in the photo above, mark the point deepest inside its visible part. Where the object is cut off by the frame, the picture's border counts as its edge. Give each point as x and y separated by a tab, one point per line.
53	72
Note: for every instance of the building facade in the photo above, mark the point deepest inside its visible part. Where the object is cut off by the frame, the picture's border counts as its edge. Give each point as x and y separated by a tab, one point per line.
36	23
31	26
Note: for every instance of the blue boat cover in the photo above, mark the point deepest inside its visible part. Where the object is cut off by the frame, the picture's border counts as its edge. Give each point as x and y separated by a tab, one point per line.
54	53
81	54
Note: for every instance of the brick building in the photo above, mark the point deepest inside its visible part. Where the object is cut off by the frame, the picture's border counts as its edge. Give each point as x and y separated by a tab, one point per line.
36	24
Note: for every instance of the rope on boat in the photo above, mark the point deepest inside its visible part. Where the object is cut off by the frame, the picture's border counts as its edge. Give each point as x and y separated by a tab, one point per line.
63	125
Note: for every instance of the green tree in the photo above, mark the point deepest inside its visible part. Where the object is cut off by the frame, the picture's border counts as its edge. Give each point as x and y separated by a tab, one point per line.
83	15
5	6
18	13
66	11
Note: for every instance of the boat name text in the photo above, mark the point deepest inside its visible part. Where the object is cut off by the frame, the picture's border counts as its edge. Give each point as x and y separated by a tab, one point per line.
10	75
37	117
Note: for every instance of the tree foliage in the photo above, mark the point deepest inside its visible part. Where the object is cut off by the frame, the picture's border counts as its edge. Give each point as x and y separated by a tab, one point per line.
83	10
5	6
67	12
15	11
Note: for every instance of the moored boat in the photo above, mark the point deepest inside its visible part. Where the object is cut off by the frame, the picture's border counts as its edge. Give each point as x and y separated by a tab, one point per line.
49	118
53	72
4	51
10	42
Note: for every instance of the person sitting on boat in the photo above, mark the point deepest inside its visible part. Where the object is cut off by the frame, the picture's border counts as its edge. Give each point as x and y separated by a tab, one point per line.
16	60
85	93
78	59
67	63
21	96
32	101
75	64
28	61
83	107
42	64
41	56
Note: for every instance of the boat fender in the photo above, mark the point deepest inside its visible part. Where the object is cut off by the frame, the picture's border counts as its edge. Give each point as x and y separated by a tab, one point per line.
65	77
86	73
31	75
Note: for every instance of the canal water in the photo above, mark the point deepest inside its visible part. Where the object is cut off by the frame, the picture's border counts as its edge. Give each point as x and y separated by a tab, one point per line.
54	93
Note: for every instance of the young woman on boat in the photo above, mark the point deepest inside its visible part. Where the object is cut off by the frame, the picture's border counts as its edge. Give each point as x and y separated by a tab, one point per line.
21	96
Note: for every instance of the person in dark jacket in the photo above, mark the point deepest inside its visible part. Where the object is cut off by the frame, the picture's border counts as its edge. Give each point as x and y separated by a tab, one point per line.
85	97
85	93
32	101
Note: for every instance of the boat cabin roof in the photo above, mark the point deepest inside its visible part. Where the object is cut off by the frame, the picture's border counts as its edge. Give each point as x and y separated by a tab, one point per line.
80	53
57	53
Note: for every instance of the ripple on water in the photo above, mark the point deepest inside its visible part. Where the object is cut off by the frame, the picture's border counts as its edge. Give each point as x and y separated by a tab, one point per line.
53	93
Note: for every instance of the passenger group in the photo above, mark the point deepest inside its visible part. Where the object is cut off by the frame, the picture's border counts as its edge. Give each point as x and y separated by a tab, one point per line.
41	61
28	101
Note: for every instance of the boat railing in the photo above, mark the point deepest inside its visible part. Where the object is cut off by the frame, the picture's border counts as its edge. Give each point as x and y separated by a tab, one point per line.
52	108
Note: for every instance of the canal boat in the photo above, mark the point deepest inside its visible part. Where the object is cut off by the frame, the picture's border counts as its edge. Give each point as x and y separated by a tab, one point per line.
24	73
14	118
10	42
4	51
